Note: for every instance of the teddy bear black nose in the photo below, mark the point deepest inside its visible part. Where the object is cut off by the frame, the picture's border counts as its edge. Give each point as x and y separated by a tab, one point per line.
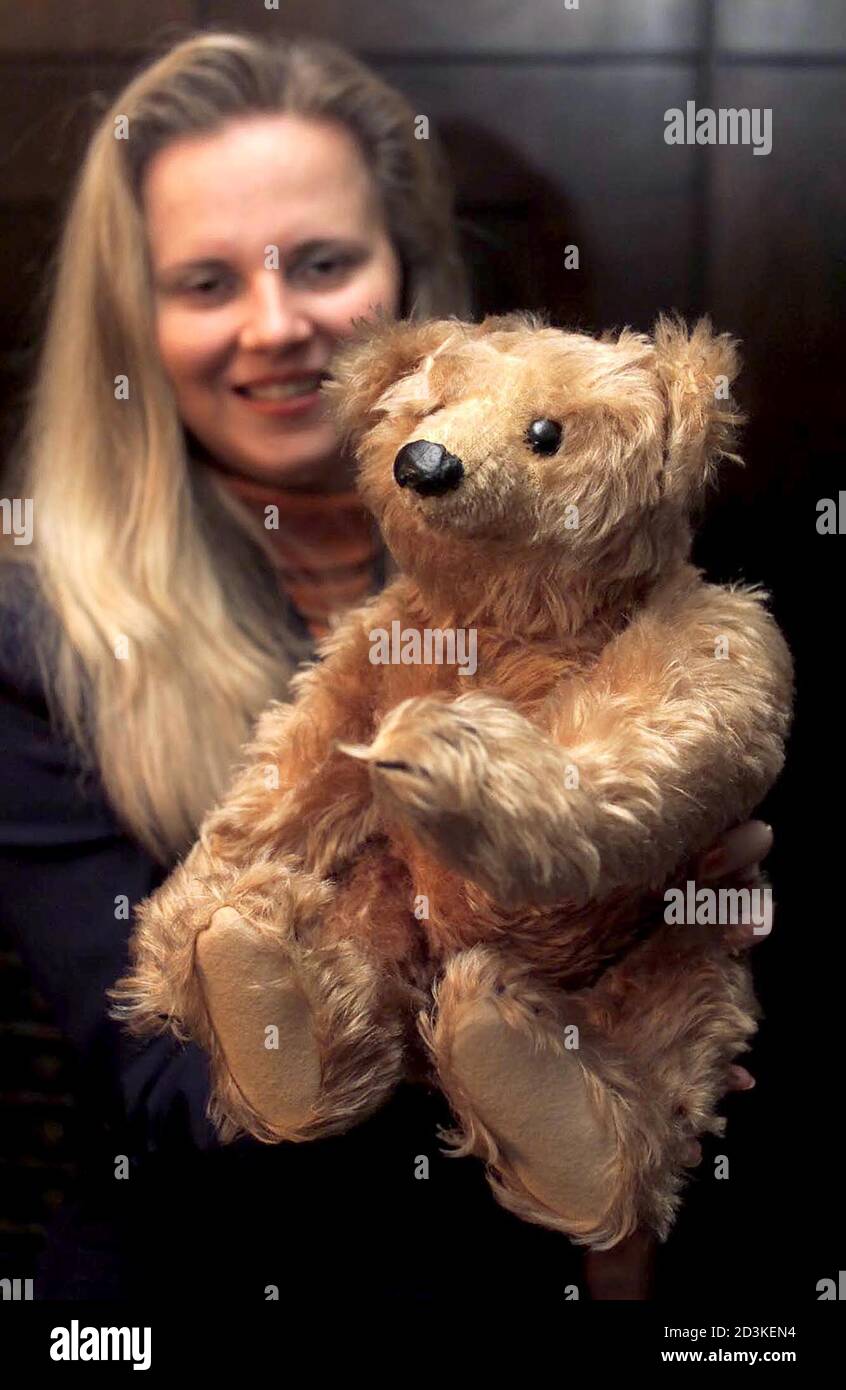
427	468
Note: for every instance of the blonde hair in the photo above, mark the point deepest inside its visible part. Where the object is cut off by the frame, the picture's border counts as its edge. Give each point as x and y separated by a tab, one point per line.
165	633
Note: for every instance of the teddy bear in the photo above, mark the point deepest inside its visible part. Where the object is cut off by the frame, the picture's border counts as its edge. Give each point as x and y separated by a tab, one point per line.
459	876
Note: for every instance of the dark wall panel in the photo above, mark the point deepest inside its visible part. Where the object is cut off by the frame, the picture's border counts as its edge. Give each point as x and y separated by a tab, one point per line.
57	26
582	152
776	254
539	27
790	27
47	111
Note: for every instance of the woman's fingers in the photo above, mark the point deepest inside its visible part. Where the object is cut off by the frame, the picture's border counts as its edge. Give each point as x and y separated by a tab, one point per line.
737	1079
741	848
736	858
747	934
742	935
740	1079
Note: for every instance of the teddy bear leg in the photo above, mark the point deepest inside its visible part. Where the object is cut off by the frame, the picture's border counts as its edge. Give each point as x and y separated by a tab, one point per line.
673	1016
591	1139
304	1036
532	1105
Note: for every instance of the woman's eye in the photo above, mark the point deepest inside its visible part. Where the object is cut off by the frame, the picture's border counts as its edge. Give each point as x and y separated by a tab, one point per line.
544	436
206	287
328	267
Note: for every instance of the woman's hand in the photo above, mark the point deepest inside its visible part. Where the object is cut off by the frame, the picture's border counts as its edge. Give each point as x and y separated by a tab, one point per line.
626	1271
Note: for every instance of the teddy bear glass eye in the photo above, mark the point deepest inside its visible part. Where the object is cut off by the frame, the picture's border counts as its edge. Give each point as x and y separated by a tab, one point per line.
544	436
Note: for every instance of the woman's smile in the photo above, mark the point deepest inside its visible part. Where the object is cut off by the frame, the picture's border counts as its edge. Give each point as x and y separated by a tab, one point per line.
290	394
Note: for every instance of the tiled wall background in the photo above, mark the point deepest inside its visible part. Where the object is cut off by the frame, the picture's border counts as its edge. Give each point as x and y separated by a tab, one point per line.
553	121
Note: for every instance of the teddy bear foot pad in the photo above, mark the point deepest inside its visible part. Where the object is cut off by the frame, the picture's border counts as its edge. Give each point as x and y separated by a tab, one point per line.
249	987
536	1104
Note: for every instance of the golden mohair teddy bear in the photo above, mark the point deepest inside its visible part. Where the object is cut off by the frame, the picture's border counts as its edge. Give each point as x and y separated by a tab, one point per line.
447	858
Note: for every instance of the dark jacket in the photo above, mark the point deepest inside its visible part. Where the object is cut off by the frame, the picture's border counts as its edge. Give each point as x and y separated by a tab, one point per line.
192	1216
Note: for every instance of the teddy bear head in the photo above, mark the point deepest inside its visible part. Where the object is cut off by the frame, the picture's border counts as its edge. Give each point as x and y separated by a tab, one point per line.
510	446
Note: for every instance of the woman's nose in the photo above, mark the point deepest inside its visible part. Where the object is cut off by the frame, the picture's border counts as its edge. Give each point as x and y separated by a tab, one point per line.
274	315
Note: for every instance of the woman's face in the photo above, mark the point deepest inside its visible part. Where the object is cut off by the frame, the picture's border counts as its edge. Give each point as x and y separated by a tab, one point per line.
266	240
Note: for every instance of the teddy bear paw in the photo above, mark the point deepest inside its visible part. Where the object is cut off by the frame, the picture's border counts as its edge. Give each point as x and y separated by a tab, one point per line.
536	1114
426	765
251	988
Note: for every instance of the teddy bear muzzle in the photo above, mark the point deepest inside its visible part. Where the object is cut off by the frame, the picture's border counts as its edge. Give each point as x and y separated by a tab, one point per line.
427	468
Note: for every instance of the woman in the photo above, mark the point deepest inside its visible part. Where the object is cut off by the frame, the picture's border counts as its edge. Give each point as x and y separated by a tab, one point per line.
241	205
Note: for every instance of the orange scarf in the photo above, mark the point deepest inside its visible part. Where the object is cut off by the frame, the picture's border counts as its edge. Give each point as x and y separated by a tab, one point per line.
327	549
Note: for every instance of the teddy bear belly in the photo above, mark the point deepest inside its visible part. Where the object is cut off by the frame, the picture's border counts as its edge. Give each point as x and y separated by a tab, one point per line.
402	905
567	946
374	906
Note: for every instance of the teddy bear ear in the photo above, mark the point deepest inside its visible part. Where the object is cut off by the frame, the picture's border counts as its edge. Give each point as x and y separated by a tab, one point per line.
377	368
695	370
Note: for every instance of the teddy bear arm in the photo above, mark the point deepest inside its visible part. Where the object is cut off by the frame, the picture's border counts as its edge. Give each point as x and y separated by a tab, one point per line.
483	789
678	734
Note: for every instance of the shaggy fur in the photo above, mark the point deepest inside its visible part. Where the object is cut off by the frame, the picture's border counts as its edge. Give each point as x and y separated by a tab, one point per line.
388	788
